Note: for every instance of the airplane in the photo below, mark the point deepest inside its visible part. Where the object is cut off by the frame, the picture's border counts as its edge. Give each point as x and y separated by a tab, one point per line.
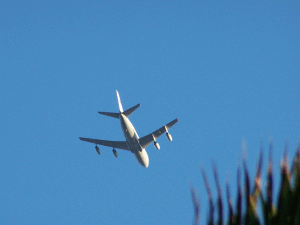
133	143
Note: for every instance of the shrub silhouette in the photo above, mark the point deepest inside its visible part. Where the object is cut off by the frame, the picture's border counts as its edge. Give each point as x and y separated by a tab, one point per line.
285	211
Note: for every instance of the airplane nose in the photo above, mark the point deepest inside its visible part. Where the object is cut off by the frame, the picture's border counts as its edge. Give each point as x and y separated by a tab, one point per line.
142	158
146	164
145	158
146	161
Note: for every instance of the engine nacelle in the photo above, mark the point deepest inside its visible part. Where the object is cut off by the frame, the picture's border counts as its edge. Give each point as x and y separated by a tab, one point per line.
156	145
115	153
169	136
98	150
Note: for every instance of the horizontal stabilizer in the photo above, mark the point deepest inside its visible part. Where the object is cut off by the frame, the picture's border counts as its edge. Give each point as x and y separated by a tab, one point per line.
131	110
115	115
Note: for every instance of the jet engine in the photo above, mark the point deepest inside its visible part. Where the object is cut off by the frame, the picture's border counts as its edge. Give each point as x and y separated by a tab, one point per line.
169	136
156	145
115	153
97	150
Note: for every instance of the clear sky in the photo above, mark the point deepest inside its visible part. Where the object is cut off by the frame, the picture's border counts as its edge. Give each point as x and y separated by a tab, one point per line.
229	71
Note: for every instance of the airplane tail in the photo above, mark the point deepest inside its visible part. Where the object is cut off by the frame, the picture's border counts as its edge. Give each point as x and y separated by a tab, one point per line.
119	102
121	111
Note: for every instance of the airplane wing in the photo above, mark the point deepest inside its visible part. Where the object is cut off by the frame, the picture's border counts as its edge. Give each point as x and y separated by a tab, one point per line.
148	139
113	144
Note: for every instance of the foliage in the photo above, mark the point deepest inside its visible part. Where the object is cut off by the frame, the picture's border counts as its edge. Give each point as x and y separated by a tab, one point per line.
252	206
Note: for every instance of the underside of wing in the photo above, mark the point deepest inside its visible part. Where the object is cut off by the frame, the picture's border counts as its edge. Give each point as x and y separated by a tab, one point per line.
148	139
113	144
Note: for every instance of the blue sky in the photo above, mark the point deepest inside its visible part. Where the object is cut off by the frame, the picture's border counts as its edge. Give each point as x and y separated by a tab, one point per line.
229	71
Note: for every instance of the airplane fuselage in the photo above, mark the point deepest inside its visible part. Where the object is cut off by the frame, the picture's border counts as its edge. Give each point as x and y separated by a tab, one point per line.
132	140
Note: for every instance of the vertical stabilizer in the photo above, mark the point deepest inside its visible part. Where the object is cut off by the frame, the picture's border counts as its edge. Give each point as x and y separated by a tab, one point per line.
119	102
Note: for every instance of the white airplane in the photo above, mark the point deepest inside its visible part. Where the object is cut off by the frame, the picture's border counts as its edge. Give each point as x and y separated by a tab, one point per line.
133	143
